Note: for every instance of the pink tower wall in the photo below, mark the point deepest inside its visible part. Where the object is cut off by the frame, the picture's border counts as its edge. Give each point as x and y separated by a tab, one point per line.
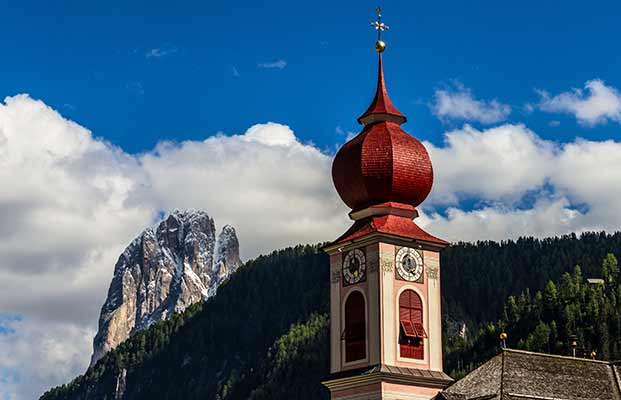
381	291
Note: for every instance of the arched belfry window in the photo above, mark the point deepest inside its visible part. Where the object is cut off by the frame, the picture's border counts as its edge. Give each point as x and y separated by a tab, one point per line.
411	330
354	333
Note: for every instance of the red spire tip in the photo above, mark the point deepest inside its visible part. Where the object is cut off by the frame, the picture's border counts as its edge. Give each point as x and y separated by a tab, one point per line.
381	108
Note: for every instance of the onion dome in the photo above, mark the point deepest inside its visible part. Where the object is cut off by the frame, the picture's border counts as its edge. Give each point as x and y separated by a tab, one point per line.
383	164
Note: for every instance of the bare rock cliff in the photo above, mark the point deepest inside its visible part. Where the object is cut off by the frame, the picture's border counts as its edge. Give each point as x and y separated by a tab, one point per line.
163	271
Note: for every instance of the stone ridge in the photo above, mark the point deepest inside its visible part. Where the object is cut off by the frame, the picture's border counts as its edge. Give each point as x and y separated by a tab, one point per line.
163	271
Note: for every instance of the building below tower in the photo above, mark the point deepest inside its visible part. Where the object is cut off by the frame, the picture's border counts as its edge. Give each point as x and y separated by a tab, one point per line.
523	375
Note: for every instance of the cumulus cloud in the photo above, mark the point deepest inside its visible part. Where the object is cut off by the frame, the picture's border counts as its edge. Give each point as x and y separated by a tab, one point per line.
279	64
71	202
589	172
596	104
458	103
65	216
547	217
522	185
50	352
500	163
275	190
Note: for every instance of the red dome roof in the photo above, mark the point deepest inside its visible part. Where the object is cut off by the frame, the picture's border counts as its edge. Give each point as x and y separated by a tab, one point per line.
383	163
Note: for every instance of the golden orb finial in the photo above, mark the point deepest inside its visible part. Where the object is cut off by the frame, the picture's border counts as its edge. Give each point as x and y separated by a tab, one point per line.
573	343
380	27
503	339
380	46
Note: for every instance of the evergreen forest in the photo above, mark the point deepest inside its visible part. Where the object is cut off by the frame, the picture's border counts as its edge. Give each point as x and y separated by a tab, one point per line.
265	333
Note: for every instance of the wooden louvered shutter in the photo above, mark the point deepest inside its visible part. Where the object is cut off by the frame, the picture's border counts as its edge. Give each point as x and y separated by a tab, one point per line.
412	332
355	328
416	316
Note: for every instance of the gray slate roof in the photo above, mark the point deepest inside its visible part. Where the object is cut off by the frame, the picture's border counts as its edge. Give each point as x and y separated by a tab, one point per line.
389	369
522	375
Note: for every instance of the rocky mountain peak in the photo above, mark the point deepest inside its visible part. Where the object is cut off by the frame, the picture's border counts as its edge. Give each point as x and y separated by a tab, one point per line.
164	270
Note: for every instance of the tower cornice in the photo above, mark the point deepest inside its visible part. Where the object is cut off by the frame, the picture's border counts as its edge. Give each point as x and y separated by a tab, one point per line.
385	373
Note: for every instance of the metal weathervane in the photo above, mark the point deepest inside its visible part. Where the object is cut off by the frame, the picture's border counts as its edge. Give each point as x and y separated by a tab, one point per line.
379	27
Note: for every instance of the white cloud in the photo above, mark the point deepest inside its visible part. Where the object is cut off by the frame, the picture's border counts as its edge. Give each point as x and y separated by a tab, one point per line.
279	64
589	172
349	135
35	347
70	203
597	104
159	52
522	185
458	103
500	163
65	212
275	190
270	134
497	222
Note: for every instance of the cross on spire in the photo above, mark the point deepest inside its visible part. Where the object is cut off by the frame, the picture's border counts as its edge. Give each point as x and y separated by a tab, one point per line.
379	25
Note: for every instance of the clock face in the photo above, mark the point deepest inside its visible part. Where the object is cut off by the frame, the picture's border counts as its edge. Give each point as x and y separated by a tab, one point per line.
354	266
409	264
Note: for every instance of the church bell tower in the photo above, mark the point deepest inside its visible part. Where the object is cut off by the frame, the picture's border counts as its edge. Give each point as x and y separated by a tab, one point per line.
385	319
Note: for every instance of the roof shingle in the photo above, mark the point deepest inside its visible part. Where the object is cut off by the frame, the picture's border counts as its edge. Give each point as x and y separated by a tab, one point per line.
522	375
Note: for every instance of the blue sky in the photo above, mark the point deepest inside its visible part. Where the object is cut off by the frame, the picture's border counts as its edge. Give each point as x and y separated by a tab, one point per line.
5	323
137	74
519	106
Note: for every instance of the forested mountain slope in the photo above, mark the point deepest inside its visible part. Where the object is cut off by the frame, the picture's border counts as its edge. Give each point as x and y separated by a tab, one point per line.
572	309
264	334
478	277
205	352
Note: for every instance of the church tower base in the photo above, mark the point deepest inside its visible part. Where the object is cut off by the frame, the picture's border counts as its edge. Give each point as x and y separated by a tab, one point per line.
384	382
